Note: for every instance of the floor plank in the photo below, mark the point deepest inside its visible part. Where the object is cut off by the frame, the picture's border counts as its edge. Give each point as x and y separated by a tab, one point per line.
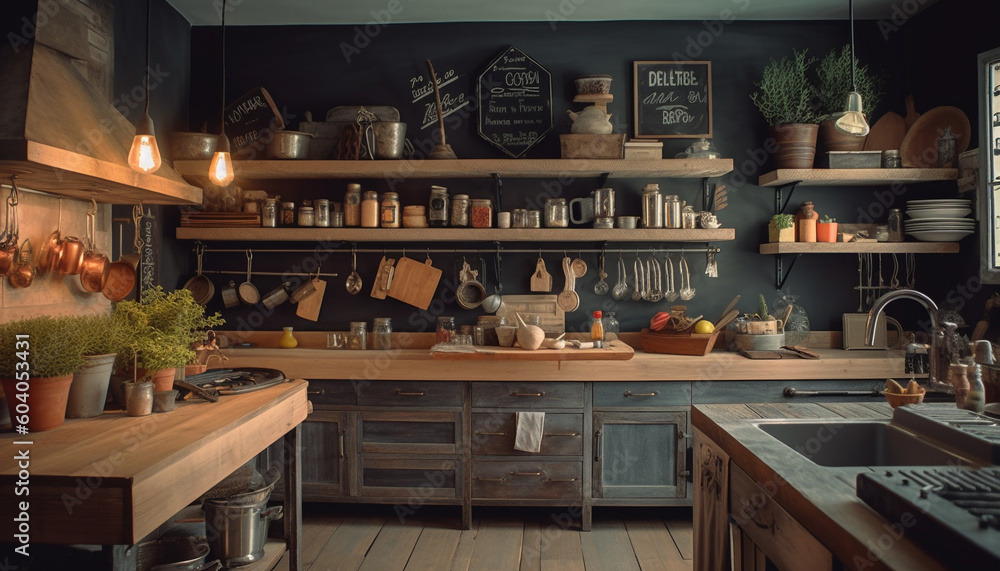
498	545
561	550
391	549
347	547
607	547
316	531
434	550
531	546
466	543
682	531
652	550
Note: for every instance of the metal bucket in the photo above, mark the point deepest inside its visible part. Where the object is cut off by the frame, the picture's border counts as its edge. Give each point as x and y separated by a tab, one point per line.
237	533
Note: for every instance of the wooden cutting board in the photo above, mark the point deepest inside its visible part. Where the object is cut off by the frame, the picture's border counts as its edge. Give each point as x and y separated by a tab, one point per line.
911	112
887	133
541	280
415	283
308	308
919	146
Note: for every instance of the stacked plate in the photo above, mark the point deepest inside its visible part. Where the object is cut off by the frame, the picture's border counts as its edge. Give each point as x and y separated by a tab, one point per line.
939	220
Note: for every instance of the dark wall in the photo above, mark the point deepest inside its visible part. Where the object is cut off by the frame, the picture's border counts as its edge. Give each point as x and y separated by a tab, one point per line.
305	69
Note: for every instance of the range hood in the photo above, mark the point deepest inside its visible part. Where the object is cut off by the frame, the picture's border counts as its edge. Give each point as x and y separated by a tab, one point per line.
59	132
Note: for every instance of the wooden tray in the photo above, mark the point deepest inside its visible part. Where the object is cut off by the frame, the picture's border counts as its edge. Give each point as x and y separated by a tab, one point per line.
919	146
615	351
671	343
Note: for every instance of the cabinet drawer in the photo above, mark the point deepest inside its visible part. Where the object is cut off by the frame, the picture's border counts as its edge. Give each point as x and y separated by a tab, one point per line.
411	432
493	433
323	392
641	394
410	393
527	480
410	478
527	395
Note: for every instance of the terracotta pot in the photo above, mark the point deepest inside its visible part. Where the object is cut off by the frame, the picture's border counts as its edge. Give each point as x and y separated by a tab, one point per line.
826	232
830	139
807	230
163	380
45	398
796	145
195	369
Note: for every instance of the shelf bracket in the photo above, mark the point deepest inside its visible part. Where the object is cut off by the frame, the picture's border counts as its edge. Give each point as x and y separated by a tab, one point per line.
780	206
779	279
498	190
602	180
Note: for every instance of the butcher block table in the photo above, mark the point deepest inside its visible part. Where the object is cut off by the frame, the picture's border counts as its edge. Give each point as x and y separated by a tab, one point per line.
113	479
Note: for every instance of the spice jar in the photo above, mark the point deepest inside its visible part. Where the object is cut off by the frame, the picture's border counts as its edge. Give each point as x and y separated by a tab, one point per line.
323	213
369	209
481	213
288	214
519	218
269	216
307	216
358	336
390	210
896	225
437	211
672	210
460	211
556	213
382	333
652	206
352	205
445	329
533	219
689	218
489	324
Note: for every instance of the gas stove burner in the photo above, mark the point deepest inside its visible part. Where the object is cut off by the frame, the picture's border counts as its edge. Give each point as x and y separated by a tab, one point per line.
236	381
974	434
952	512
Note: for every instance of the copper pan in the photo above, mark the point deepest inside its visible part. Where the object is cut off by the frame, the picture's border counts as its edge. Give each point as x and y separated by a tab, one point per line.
121	276
8	244
48	256
95	265
71	251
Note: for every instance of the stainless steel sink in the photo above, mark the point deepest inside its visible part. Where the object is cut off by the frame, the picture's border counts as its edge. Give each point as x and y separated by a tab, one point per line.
838	444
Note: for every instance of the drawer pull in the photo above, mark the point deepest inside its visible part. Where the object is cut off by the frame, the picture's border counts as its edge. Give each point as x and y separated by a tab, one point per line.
402	393
562	434
597	446
316	392
560	479
478	433
631	394
342	443
526	474
478	479
517	394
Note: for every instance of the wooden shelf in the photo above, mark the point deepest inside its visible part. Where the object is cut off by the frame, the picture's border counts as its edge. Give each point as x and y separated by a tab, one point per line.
859	248
853	177
455	234
467	168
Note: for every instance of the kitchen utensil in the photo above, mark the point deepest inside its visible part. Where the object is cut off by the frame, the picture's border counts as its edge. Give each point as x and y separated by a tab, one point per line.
22	273
192	146
639	292
289	145
668	266
686	291
276	296
353	283
95	266
541	280
303	291
121	276
415	283
133	259
237	532
8	248
441	150
727	317
246	291
202	289
887	133
308	307
601	287
49	254
730	307
229	297
469	293
621	289
656	289
919	146
71	252
911	112
579	267
568	299
383	278
586	208
492	303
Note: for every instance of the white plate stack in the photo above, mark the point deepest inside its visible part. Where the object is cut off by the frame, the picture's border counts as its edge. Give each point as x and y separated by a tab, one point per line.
939	220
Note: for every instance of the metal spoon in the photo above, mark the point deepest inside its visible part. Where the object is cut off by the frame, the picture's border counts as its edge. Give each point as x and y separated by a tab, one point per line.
686	292
353	283
639	292
601	287
621	288
492	303
671	293
656	291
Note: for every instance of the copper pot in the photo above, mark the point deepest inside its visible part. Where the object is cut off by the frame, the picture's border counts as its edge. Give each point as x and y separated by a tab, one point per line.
71	253
23	272
49	256
8	253
94	271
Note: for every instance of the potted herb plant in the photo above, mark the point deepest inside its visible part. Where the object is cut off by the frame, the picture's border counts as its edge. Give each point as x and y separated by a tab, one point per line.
762	322
781	228
833	83
100	337
36	368
826	229
784	98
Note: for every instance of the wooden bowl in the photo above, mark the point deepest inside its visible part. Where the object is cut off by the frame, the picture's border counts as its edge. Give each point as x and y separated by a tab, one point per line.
897	399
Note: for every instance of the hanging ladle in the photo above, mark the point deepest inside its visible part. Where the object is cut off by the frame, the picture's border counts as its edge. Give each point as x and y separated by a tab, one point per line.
621	289
492	303
601	287
353	283
246	291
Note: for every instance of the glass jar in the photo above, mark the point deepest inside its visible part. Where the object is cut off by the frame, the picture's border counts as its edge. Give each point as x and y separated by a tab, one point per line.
489	324
481	213
556	213
390	210
519	218
533	219
307	216
689	218
672	211
323	213
369	209
460	211
896	225
597	327
652	206
437	211
611	326
352	205
288	214
445	329
382	333
797	325
358	337
269	216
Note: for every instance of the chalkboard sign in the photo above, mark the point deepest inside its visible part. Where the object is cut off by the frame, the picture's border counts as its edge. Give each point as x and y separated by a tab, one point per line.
515	102
249	117
453	98
673	99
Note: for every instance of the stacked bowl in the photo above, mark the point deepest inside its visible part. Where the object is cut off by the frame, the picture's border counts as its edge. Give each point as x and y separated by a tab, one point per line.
939	220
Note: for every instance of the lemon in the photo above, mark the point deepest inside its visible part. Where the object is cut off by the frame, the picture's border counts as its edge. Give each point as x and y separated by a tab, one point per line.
704	326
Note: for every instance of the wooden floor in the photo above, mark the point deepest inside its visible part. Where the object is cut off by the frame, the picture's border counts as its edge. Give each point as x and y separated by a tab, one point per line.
373	538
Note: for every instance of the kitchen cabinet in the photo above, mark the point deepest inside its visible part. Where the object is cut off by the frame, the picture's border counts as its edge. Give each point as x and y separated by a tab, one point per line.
988	185
640	455
326	460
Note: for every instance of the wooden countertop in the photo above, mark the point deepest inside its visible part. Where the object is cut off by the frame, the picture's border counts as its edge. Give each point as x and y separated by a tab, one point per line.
822	499
113	479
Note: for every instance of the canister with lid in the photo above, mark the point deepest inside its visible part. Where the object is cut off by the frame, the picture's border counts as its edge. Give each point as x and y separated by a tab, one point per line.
269	216
352	205
307	216
460	211
652	206
673	211
390	210
288	214
322	213
437	211
481	213
556	213
369	209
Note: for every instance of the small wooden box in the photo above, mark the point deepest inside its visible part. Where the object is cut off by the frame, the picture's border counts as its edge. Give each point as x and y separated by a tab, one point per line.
592	146
850	160
644	150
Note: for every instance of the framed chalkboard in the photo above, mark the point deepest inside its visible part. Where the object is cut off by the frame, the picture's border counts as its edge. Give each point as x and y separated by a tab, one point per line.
673	99
515	102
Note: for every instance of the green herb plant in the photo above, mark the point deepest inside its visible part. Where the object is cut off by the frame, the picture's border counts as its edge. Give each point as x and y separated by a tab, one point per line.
826	219
782	221
833	83
762	314
49	352
784	93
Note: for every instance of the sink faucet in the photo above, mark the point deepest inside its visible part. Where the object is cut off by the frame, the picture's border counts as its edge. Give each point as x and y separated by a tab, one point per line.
938	363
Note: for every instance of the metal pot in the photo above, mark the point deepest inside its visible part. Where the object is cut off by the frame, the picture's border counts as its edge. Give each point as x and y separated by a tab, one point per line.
289	145
71	251
192	146
94	271
236	533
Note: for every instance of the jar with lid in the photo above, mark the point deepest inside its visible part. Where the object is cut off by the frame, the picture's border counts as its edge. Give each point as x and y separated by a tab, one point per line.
323	213
481	213
611	326
445	329
460	211
390	210
689	218
358	337
896	225
597	327
352	205
672	210
489	324
556	213
307	216
369	209
288	214
533	219
382	333
437	211
269	216
652	206
519	218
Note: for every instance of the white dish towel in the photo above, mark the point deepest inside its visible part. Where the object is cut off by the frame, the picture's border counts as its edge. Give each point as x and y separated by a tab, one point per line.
530	426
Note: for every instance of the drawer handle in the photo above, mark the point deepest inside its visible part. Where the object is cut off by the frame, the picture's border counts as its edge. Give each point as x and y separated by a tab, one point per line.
562	434
402	393
597	446
478	433
527	474
342	443
517	394
316	392
478	479
560	479
631	394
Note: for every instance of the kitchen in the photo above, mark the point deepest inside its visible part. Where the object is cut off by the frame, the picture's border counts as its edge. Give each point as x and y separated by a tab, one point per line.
305	68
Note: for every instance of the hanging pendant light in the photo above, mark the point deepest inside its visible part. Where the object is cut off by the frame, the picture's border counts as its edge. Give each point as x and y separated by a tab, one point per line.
221	172
851	121
144	156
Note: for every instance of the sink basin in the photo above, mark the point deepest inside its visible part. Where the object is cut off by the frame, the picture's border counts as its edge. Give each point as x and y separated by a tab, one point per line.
858	444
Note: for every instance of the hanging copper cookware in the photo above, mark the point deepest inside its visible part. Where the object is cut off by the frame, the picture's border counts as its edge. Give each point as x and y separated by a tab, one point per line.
71	252
121	275
95	265
202	289
8	244
48	256
23	272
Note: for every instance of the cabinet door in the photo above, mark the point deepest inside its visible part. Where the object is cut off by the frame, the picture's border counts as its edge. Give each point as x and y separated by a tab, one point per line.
411	432
325	456
640	454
